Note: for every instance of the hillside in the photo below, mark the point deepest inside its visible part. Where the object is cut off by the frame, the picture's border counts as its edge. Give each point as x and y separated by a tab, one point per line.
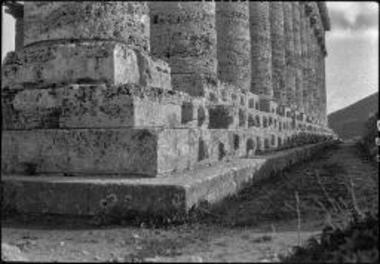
349	121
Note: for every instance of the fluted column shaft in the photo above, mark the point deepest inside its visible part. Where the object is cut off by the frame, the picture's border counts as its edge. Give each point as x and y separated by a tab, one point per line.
233	43
297	55
19	41
261	51
324	93
289	55
184	35
278	51
323	89
318	39
315	88
309	59
304	55
320	34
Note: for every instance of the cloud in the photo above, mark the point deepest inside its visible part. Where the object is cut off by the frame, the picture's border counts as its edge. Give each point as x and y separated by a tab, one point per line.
352	46
355	16
365	21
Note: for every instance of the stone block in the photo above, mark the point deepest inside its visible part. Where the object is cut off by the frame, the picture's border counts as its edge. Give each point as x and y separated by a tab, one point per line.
253	101
267	105
87	62
125	152
243	118
90	106
222	116
194	84
194	113
153	71
10	70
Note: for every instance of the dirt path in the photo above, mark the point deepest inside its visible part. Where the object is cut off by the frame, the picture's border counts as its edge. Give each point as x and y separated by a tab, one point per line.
257	225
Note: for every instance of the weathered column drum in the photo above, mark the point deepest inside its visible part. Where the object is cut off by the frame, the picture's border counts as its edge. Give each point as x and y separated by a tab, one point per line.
123	21
290	84
234	43
261	49
278	51
184	35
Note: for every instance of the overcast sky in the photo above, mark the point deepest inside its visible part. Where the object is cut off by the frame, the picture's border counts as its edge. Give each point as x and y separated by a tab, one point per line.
352	46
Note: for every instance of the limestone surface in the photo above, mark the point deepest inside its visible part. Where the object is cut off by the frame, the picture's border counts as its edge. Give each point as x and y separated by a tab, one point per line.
184	35
234	44
123	21
278	50
152	91
85	62
261	50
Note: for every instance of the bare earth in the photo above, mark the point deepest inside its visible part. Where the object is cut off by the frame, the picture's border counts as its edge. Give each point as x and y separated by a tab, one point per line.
257	225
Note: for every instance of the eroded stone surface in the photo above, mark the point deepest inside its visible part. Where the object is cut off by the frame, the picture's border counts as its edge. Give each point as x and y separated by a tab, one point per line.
11	253
85	62
276	13
170	196
127	22
261	49
109	151
84	106
290	83
184	35
234	43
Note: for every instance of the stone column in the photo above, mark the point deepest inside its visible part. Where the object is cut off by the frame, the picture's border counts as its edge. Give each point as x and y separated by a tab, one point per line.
297	56
184	35
315	54
308	59
233	43
313	80
323	87
78	42
17	11
289	55
278	51
304	53
320	35
321	82
317	26
261	51
126	22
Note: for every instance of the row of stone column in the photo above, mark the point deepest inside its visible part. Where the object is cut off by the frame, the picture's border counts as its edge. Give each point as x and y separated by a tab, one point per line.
272	49
268	48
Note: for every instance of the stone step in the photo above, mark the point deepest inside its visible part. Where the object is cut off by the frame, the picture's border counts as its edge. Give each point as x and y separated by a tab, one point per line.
140	151
109	106
96	106
96	61
170	195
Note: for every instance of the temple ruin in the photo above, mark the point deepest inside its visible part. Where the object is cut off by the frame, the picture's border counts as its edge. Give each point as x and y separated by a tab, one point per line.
147	91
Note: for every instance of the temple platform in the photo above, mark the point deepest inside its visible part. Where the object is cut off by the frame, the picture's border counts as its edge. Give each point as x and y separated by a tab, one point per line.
173	195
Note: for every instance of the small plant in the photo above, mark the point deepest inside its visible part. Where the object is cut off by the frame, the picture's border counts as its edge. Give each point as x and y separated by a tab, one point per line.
367	143
357	242
298	217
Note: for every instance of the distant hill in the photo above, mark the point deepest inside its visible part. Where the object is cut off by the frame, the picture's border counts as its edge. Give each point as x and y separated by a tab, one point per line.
349	121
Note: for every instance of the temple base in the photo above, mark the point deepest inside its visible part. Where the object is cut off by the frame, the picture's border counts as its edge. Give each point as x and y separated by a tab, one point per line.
172	196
